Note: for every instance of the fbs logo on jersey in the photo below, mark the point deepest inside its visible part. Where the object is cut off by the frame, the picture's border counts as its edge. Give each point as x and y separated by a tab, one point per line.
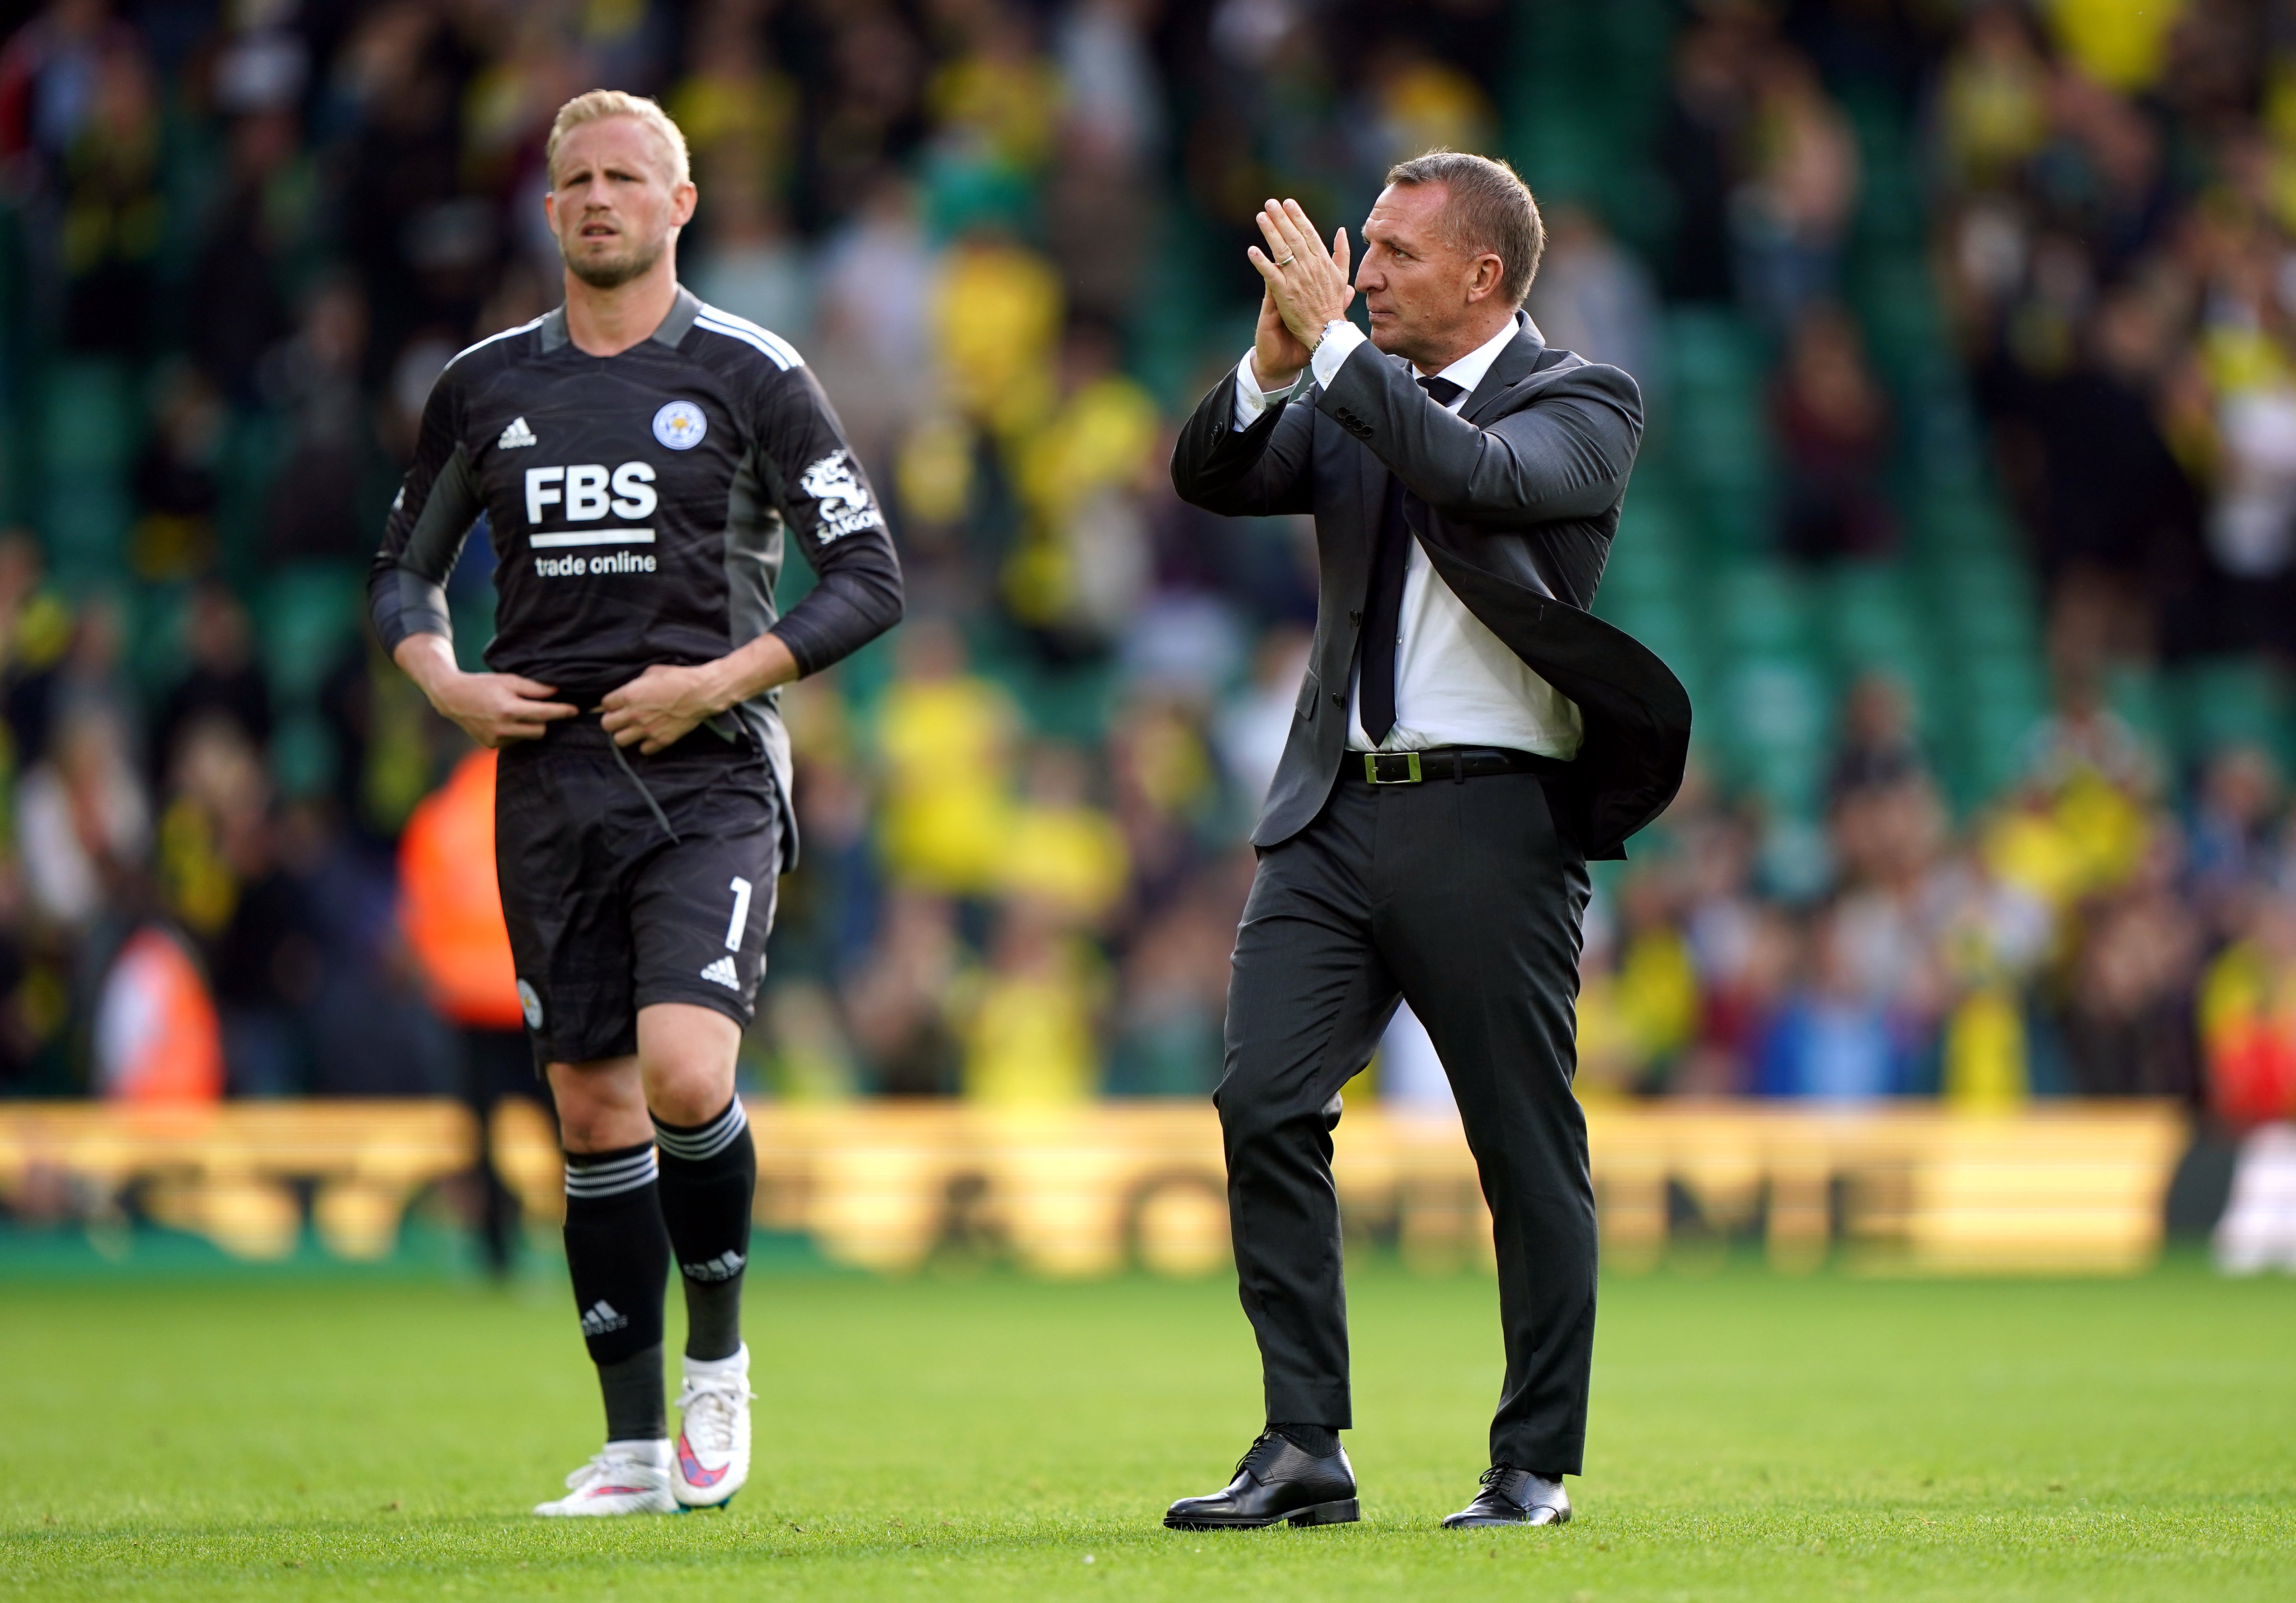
600	1317
680	425
517	434
844	501
721	973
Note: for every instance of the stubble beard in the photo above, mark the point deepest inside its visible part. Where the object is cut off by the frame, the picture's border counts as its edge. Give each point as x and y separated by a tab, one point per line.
612	272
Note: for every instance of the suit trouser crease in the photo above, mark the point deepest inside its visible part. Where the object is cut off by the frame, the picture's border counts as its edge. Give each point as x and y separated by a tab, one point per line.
1463	900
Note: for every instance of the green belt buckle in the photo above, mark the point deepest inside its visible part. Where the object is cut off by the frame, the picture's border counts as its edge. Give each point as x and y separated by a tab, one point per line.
1410	765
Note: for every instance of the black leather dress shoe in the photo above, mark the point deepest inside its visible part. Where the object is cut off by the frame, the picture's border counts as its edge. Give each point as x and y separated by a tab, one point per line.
1514	1497
1274	1481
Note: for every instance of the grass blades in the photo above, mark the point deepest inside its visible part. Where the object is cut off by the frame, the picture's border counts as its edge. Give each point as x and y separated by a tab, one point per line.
1752	1437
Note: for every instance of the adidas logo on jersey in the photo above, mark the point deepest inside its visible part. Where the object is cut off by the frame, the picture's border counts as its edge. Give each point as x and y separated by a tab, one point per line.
725	1266
721	973
602	1318
517	434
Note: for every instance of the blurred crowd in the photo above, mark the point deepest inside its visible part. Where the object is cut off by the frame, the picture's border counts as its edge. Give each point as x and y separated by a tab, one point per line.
2108	223
244	239
2083	935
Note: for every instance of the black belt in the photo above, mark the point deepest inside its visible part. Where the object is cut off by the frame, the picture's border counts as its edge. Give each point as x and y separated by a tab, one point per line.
1457	763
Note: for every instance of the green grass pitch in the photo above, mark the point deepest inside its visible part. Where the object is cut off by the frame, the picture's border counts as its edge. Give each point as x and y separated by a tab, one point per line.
1753	1437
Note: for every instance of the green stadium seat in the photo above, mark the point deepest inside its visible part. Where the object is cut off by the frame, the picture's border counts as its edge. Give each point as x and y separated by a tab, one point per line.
1777	729
83	523
1761	606
87	417
308	616
2222	701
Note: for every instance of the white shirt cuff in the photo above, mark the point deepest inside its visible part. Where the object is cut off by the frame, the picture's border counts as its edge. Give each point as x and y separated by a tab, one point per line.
1339	340
1250	400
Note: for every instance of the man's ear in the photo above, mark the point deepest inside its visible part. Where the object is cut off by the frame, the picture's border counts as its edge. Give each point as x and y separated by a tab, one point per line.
1488	274
683	201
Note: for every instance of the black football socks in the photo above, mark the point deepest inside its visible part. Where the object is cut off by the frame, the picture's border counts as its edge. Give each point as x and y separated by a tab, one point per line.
1317	1441
618	1256
709	1178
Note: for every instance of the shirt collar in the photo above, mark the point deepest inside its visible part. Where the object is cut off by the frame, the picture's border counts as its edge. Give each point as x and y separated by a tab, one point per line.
1468	371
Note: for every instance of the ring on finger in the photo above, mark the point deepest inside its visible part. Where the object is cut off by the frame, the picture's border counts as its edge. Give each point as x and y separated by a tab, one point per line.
1288	260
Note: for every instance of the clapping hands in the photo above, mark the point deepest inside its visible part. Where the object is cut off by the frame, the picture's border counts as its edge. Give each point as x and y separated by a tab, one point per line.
1306	289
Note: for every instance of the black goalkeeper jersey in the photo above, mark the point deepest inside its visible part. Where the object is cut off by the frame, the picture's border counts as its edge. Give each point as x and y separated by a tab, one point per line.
636	504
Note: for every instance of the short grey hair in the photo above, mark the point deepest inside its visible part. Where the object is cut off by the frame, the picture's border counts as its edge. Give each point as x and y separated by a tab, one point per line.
1487	207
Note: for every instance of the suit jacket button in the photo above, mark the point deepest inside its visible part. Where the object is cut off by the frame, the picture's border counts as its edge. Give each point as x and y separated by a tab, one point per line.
1355	617
1335	699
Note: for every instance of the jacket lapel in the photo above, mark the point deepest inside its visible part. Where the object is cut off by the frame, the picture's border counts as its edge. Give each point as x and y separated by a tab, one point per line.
1515	362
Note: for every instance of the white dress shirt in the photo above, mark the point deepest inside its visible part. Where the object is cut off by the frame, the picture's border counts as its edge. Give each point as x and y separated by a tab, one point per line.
1455	682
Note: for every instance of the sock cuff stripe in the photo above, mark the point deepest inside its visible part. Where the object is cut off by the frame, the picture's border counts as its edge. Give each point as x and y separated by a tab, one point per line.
614	1158
592	1193
693	1146
584	1163
611	1179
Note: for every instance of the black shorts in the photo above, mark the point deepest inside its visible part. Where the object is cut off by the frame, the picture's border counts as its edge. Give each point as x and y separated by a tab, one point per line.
624	886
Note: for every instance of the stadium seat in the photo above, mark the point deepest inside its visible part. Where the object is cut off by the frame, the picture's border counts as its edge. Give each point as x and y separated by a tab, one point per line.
308	615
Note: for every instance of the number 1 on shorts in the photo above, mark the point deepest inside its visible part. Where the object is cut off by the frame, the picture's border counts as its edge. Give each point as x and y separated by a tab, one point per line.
741	888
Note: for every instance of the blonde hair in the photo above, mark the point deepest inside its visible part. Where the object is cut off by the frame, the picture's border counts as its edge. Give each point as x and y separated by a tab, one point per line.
599	104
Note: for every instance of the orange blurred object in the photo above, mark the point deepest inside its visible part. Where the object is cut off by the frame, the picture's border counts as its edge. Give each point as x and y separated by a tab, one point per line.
449	905
2252	1073
157	1039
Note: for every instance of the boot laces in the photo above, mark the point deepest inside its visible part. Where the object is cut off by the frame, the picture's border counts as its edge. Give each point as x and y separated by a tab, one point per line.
710	1407
1269	1439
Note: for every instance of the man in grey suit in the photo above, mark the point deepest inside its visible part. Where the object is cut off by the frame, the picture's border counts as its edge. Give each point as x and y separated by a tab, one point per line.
1468	736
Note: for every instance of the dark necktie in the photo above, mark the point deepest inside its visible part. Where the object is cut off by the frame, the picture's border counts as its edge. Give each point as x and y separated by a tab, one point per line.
1383	627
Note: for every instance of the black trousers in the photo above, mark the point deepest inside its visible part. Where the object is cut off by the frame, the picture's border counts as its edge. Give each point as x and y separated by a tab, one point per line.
1463	899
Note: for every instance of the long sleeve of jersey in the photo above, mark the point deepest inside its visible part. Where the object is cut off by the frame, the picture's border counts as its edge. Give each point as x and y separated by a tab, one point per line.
436	504
833	518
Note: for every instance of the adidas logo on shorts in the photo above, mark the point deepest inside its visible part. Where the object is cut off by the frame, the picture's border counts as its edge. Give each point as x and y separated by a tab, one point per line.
721	972
517	434
725	1266
602	1318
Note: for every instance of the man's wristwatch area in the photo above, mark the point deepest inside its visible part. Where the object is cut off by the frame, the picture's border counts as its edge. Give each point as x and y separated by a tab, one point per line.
1337	343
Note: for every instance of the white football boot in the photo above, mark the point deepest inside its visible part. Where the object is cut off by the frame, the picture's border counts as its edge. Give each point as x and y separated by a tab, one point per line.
711	1456
628	1478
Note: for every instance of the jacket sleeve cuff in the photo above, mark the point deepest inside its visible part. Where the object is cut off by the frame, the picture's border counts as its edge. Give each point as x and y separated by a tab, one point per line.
1252	402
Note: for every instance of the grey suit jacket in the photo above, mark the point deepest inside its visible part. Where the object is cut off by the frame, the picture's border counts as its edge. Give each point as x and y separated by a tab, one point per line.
1514	499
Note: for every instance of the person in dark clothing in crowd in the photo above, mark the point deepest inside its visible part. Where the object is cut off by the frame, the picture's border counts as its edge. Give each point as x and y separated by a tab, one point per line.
224	681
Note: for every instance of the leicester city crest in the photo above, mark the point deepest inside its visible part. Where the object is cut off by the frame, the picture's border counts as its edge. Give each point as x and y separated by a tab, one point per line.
680	425
529	1004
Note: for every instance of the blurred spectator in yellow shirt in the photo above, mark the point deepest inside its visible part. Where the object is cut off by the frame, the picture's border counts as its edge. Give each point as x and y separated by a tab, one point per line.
1083	567
997	314
1416	103
1062	853
1000	100
1030	1040
2121	44
1655	994
946	736
1994	106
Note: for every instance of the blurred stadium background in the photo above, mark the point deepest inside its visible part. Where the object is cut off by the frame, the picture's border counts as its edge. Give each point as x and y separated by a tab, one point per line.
1968	513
